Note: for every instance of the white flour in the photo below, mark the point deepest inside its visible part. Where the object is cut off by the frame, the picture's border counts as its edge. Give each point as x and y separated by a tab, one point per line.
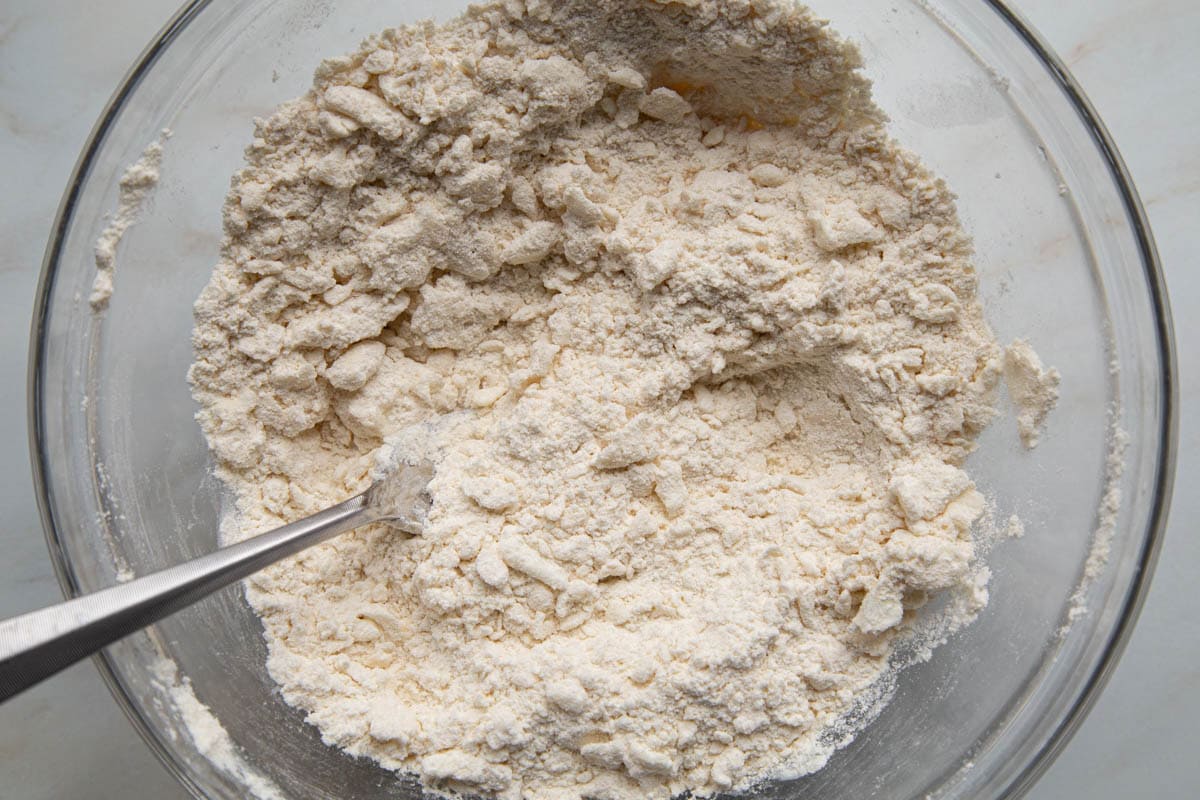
1032	387
722	348
136	186
1106	519
209	735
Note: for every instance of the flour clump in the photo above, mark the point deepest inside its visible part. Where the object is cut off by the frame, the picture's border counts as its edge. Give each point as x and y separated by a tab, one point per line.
719	343
134	191
1033	388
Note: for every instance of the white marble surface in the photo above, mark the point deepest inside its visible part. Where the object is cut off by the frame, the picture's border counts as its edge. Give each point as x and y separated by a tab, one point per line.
1137	59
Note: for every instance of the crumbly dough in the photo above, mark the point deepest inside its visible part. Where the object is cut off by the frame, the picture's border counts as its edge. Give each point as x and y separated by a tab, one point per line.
719	348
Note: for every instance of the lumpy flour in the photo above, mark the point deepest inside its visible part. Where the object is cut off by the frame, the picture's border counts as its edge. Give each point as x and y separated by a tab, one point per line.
718	343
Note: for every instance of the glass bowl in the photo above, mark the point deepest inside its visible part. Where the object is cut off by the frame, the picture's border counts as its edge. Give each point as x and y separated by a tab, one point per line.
1065	259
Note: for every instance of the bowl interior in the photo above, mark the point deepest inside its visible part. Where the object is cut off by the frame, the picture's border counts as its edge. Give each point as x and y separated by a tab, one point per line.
1062	262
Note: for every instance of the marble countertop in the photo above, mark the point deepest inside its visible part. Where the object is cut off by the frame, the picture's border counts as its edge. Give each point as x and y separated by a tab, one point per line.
1138	61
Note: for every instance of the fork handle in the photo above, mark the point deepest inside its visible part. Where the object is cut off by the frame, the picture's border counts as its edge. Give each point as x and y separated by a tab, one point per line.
36	645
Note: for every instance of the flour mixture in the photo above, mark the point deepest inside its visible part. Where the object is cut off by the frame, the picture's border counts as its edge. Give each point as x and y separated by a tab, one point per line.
717	355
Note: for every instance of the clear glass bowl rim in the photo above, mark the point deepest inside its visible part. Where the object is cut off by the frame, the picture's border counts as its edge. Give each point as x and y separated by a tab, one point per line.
1023	779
